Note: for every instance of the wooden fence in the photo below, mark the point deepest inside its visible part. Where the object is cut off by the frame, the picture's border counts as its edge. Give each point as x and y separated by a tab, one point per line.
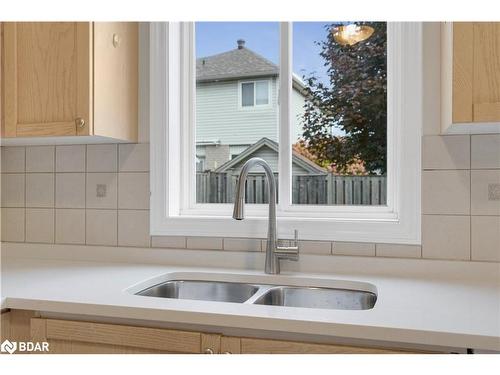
307	189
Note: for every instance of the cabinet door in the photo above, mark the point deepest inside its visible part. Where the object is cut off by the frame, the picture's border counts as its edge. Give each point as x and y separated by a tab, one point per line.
486	88
47	79
265	346
476	72
75	337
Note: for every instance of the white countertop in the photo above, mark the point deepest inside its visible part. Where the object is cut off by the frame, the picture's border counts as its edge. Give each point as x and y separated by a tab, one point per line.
450	304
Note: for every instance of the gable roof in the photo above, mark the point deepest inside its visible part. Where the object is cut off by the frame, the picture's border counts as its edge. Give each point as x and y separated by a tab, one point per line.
297	159
237	63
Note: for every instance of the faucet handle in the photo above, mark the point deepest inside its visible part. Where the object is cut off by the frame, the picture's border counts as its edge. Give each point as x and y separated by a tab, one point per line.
296	238
289	252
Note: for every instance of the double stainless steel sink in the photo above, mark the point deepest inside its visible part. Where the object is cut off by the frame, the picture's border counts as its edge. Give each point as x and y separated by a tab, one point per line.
259	294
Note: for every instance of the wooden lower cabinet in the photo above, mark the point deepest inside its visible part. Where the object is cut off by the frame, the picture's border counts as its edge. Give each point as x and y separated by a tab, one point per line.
83	337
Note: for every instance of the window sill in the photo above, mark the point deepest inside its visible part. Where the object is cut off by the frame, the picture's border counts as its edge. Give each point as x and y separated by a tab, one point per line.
383	229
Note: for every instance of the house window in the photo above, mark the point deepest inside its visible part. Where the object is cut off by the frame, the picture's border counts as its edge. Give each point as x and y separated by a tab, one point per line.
310	134
254	93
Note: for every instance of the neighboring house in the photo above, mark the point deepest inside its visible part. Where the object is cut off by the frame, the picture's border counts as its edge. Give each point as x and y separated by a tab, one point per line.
237	105
268	150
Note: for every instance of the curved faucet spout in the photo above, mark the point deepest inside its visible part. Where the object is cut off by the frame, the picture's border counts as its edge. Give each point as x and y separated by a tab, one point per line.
273	252
239	201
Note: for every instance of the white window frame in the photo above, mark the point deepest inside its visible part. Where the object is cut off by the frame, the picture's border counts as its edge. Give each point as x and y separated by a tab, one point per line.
173	207
255	105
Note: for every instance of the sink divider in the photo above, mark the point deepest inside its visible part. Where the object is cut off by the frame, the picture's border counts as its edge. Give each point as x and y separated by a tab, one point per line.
263	289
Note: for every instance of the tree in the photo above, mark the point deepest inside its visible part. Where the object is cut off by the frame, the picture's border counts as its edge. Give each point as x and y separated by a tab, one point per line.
354	101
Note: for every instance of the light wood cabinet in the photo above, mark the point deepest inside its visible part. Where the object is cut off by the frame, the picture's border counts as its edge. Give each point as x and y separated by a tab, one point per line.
66	336
470	77
85	337
70	79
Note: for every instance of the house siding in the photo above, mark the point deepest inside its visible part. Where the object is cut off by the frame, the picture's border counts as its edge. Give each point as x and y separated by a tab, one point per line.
219	116
298	102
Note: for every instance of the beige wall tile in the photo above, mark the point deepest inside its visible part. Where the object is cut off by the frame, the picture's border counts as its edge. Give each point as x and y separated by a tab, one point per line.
354	249
70	158
315	247
40	190
102	190
133	228
133	157
13	224
485	151
485	190
446	152
102	158
446	192
133	190
40	159
13	159
446	237
242	244
101	227
70	190
40	225
398	251
70	226
169	242
204	243
13	190
485	238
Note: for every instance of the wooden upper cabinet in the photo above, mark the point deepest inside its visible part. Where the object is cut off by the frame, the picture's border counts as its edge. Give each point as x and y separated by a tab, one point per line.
471	77
70	79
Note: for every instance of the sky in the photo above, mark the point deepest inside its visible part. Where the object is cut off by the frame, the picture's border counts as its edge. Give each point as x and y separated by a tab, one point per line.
263	38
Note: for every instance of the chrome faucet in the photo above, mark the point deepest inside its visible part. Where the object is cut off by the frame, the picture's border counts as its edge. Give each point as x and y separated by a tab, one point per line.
274	252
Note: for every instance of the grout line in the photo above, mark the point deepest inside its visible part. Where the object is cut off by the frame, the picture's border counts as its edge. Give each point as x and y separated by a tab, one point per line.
470	198
118	195
25	214
55	212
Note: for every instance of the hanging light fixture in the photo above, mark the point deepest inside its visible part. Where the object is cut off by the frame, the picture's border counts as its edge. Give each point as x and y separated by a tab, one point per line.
351	34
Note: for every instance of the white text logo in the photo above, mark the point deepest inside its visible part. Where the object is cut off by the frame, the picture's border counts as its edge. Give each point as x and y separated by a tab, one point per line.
21	346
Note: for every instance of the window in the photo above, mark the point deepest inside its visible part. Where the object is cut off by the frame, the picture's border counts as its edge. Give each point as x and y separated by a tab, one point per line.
176	134
247	94
254	93
236	107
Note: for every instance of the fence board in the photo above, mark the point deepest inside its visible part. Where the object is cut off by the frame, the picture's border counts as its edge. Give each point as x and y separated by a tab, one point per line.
326	189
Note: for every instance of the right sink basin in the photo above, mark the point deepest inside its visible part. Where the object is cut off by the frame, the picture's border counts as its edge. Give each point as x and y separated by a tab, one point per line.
318	298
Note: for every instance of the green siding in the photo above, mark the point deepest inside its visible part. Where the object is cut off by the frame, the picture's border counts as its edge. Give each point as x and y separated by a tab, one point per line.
219	116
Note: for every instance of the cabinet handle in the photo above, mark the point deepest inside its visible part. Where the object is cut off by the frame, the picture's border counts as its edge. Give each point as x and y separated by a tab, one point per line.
80	122
208	351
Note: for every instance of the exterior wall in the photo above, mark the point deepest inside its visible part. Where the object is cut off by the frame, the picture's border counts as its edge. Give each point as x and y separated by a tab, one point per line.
297	112
219	116
216	155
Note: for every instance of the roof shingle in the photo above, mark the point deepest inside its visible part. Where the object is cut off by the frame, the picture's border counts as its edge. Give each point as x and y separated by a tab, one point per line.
237	63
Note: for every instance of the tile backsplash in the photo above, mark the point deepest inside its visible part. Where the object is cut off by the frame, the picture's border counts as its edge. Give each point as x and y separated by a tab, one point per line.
460	221
99	195
76	194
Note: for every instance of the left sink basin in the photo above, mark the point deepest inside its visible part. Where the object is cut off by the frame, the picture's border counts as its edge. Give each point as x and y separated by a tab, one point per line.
202	290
